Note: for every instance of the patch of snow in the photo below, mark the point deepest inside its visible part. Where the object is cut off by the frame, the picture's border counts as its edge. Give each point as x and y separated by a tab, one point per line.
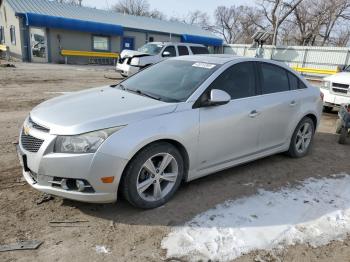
315	213
102	250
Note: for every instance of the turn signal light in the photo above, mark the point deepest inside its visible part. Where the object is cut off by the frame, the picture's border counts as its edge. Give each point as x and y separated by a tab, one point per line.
107	179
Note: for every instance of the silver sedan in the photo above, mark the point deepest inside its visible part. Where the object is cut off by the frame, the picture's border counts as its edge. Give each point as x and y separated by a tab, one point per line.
178	120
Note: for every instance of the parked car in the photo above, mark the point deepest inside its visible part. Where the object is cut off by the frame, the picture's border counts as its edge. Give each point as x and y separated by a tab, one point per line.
178	120
131	61
336	90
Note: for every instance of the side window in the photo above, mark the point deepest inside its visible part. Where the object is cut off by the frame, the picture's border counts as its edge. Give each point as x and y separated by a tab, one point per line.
238	80
273	79
2	35
293	81
171	50
301	85
196	50
13	34
182	50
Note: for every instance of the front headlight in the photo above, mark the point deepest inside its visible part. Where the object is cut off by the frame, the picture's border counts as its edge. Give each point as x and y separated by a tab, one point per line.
135	61
327	84
84	143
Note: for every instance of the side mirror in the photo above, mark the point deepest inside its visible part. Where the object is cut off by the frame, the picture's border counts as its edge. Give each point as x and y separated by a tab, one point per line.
218	97
166	54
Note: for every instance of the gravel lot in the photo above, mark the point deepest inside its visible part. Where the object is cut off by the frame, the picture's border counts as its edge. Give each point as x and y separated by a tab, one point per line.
130	234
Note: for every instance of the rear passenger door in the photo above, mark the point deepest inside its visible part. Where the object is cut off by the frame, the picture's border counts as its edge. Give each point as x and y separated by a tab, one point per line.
279	105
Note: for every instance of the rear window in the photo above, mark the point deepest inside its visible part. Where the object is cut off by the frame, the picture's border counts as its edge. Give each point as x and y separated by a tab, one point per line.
196	50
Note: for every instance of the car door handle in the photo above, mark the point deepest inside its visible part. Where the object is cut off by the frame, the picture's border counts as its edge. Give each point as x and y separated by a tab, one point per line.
254	113
293	103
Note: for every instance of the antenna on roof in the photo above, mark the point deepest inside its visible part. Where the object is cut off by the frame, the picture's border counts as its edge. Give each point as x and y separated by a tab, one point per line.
259	38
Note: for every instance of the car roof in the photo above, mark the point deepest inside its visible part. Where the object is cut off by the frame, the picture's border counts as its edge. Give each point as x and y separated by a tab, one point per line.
175	43
225	58
209	58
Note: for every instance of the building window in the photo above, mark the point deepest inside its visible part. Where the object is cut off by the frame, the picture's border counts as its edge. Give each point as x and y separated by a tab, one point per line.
13	34
151	39
2	35
100	43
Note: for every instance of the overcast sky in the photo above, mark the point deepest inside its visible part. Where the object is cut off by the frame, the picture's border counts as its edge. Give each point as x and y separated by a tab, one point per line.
177	7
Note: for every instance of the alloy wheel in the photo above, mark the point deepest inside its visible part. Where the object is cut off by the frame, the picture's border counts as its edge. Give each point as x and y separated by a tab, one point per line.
303	138
157	177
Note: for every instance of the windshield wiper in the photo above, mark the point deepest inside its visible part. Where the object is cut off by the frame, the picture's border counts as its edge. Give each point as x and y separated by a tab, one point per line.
139	92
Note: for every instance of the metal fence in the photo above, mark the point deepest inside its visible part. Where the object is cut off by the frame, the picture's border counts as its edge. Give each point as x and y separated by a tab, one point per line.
328	58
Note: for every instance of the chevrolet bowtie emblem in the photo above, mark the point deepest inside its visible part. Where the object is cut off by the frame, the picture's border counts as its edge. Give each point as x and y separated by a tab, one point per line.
26	130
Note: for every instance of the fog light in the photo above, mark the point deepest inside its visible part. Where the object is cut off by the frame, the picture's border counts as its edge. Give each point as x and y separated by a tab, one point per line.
80	185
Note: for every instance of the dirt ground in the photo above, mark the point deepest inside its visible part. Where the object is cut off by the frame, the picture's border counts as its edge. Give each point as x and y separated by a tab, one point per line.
129	233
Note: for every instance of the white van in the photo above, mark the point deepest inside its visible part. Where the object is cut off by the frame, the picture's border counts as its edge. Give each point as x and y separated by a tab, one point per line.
131	61
336	89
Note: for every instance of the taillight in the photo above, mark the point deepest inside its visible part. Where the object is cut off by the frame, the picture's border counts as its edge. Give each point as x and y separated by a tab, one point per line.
321	96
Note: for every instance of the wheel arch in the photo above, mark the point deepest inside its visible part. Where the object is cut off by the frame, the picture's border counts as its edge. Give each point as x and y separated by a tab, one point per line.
179	146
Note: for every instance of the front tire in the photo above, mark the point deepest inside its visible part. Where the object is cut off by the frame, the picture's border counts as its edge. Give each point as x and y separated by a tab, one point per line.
302	138
153	176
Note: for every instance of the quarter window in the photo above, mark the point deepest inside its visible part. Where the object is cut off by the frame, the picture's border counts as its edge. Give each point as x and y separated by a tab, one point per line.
13	34
238	81
100	43
293	81
273	79
171	50
182	50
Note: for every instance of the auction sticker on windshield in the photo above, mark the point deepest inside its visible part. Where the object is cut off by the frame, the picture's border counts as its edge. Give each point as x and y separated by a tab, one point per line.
204	65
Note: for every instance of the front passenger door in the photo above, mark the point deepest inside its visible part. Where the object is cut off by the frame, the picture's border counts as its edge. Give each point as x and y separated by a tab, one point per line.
229	133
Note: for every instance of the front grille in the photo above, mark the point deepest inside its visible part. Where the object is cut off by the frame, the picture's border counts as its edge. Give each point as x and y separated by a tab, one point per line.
30	143
340	85
338	90
37	126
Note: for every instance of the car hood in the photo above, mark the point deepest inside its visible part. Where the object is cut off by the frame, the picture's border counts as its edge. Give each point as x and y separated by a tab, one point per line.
132	53
342	78
96	108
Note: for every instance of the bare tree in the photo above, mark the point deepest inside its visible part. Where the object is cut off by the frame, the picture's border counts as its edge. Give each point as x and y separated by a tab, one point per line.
276	12
237	23
196	17
337	11
138	8
74	2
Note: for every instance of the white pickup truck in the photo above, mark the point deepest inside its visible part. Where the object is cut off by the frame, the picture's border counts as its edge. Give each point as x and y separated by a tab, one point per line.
131	61
336	89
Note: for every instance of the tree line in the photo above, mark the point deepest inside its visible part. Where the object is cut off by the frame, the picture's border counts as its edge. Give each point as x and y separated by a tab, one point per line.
291	22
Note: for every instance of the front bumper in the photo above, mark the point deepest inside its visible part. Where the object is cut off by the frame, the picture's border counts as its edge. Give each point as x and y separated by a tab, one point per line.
44	166
126	69
335	100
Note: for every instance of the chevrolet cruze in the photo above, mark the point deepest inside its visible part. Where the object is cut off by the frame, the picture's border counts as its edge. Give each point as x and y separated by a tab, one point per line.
175	121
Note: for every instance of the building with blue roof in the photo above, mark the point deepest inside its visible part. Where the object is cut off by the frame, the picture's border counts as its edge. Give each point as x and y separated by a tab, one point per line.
37	30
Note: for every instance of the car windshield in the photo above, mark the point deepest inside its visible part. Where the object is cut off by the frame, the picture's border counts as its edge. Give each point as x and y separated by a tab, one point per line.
170	80
151	49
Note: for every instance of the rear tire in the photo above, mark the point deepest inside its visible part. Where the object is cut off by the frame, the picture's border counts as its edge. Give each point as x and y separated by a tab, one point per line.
153	176
302	138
